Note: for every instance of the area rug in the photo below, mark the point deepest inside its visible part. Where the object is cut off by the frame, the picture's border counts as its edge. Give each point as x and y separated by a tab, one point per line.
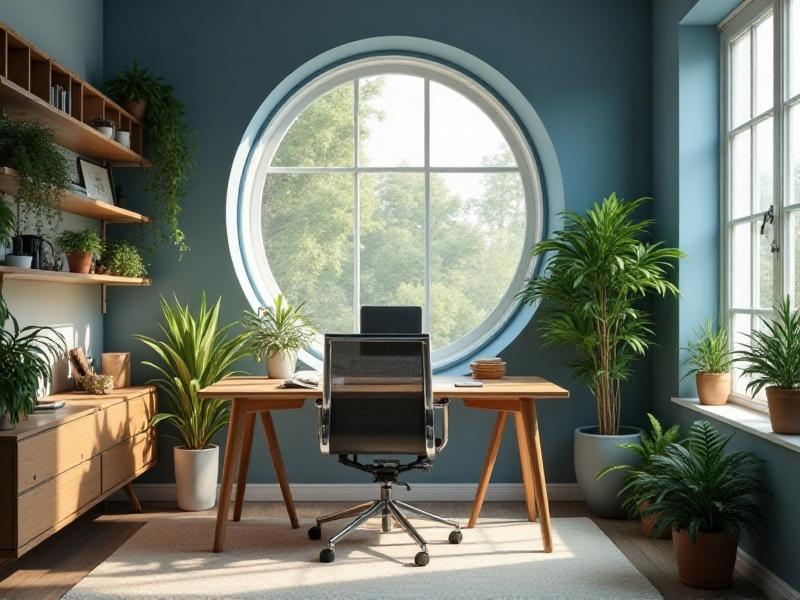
264	558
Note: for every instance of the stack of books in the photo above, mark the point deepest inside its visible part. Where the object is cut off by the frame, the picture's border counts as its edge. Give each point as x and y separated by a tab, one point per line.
61	98
488	368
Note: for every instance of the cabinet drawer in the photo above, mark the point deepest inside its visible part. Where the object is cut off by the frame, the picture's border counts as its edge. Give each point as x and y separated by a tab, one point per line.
43	507
121	421
51	452
125	459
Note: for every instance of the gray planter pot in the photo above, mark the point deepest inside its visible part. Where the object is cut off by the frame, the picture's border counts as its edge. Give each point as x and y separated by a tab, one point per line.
593	453
196	477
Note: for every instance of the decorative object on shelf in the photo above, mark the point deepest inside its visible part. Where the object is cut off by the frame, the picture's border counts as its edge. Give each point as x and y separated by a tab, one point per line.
172	145
123	137
598	270
123	260
25	357
80	366
117	365
104	126
277	334
42	173
637	495
705	496
80	247
773	362
195	353
488	368
97	384
33	246
97	180
710	362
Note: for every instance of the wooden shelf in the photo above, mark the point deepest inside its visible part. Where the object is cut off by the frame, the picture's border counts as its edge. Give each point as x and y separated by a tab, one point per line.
64	277
77	204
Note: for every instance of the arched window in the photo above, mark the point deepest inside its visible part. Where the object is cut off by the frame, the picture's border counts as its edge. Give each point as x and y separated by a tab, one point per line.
395	180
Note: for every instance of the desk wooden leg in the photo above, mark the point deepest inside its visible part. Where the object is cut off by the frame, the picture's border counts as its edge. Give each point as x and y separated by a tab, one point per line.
135	504
488	465
277	463
233	449
525	466
244	465
528	406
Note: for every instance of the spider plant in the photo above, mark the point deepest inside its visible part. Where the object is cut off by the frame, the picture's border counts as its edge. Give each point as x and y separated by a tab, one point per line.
282	329
25	355
700	487
194	353
708	352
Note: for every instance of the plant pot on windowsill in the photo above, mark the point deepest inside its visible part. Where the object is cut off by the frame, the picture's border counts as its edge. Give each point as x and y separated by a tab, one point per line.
713	388
784	410
19	261
708	561
79	262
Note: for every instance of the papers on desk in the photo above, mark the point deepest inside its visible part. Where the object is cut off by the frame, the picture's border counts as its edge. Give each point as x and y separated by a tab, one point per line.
302	379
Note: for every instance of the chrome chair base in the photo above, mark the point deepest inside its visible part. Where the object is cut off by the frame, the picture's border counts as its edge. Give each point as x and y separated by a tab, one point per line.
389	510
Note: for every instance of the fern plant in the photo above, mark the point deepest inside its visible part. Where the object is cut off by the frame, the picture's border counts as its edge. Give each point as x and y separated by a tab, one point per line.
284	328
773	358
709	351
599	270
703	488
194	353
6	222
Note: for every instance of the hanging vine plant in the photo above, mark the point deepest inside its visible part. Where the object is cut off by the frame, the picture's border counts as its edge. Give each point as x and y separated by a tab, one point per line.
171	143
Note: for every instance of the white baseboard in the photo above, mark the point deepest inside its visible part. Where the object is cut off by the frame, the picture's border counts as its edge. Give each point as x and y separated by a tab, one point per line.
769	583
465	492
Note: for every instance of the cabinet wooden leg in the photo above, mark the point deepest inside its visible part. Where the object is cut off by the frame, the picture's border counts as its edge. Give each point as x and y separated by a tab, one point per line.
136	506
488	465
277	463
244	465
525	466
539	483
233	449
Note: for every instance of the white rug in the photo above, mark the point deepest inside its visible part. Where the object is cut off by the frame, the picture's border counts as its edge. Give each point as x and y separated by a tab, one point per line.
264	558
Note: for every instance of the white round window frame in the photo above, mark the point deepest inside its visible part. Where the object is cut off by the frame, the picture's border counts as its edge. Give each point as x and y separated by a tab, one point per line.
255	261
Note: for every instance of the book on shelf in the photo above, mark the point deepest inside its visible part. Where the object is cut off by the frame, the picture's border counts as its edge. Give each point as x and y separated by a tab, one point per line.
61	98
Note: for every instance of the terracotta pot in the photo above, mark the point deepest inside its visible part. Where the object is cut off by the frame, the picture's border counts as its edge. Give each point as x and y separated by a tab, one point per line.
706	563
784	410
79	262
713	388
138	109
649	524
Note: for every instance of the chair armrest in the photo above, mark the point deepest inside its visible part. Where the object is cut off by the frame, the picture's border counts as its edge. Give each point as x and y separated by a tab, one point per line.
443	404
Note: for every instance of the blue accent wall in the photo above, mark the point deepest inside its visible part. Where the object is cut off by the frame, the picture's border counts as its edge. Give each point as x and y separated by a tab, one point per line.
224	58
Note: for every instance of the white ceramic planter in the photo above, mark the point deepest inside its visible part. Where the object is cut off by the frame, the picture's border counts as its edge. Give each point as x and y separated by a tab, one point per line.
196	477
281	365
106	131
22	262
124	138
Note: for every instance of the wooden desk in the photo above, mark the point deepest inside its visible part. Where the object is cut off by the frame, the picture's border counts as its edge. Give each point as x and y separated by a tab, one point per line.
516	395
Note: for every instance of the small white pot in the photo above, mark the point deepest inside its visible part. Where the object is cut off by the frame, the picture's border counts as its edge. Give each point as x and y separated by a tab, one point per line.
106	131
124	138
196	477
281	365
22	262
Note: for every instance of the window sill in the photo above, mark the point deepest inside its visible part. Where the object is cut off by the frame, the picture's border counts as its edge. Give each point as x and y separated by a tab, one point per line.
752	421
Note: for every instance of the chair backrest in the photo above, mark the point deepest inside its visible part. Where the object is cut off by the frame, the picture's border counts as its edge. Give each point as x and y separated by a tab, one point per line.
377	395
391	319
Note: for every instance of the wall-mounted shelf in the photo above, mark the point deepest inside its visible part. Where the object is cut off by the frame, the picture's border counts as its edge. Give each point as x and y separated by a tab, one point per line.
77	204
26	76
65	277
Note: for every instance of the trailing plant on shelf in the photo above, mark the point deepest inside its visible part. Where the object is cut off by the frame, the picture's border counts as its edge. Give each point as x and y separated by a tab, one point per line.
171	142
773	362
42	173
277	334
124	260
80	246
25	355
710	358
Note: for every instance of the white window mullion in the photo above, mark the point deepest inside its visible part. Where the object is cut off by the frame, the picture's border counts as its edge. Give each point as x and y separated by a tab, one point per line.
356	214
426	304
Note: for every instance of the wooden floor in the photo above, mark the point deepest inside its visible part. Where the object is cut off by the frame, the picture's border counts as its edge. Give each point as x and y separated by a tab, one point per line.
51	569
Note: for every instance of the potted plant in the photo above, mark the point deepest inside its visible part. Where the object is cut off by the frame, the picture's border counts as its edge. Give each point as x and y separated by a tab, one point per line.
705	497
773	362
171	144
80	248
25	355
710	361
277	334
635	491
123	137
598	272
42	172
194	353
123	260
104	126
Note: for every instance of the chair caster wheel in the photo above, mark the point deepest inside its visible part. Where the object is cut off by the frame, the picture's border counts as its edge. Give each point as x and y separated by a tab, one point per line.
422	559
315	533
455	537
327	556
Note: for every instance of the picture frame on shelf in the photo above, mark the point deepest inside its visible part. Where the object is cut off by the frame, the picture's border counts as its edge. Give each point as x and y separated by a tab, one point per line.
97	180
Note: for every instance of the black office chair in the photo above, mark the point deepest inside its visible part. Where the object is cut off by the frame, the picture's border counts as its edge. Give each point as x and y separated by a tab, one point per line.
391	319
378	400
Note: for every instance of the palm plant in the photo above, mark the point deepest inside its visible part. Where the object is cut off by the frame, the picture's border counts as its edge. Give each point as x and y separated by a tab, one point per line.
709	352
703	488
25	355
773	358
599	270
284	328
195	353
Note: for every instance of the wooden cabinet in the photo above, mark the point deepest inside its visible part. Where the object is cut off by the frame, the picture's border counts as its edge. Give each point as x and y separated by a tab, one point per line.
56	466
